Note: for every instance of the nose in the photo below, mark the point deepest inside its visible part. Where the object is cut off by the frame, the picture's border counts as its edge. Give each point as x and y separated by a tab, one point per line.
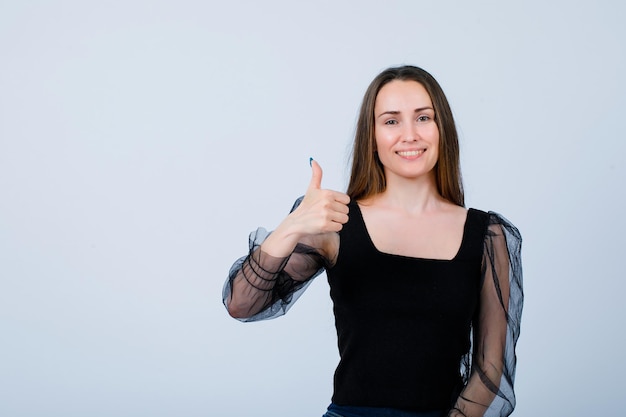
410	133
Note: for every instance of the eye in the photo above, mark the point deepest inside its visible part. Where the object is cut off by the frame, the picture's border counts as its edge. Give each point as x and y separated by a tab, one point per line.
423	118
391	122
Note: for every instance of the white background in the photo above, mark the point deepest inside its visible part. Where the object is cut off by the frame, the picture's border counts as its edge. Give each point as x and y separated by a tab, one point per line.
141	141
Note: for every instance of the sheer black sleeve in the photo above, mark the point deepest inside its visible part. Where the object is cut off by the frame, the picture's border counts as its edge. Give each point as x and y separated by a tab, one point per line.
490	366
266	286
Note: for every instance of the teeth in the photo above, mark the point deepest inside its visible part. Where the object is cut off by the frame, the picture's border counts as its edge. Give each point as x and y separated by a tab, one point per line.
411	153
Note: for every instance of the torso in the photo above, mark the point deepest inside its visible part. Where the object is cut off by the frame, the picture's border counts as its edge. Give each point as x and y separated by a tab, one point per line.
403	319
428	235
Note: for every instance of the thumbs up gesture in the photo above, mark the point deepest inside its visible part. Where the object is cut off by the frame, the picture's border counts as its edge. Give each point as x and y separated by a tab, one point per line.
321	210
320	213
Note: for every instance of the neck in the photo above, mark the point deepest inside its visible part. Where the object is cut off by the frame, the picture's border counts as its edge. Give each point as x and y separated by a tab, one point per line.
411	195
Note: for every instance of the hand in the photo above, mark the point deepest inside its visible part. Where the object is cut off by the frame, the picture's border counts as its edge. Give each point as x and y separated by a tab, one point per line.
321	211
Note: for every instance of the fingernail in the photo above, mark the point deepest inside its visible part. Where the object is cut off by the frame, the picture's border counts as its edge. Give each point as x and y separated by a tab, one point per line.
311	162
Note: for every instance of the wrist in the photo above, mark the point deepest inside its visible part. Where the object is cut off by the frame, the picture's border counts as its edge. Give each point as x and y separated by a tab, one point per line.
282	241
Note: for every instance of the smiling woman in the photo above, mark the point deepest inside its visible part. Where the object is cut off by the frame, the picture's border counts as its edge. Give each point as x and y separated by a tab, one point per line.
427	294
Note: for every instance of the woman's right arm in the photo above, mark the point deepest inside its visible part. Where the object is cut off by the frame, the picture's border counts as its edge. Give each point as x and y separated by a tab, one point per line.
281	264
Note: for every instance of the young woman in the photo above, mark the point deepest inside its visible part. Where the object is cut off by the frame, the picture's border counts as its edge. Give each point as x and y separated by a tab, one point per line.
427	294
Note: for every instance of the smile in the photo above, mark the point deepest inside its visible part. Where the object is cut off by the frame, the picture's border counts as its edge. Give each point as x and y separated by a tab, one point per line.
411	153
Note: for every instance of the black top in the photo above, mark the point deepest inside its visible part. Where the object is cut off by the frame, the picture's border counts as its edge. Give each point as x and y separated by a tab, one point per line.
403	323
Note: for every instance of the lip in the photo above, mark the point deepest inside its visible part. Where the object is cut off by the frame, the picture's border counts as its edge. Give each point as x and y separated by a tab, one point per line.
411	153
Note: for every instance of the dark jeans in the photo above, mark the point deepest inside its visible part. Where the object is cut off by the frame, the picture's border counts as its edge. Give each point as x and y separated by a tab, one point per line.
347	411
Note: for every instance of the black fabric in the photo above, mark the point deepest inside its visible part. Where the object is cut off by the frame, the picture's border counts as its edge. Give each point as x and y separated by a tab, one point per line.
403	323
335	410
262	287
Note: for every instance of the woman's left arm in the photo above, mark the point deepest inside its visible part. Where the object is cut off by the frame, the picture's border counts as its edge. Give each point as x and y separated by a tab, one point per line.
489	391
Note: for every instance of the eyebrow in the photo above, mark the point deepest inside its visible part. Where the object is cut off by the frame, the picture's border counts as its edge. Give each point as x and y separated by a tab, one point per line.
394	112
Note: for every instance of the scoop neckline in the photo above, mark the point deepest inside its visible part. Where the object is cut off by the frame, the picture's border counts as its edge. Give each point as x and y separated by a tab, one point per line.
414	258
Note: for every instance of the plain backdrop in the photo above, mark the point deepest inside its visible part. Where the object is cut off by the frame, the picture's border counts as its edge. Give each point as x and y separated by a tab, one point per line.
141	141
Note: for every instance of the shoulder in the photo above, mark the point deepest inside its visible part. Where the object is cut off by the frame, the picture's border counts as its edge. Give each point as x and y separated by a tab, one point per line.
498	221
497	225
477	220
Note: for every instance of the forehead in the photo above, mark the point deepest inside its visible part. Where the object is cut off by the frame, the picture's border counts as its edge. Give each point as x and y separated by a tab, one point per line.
398	94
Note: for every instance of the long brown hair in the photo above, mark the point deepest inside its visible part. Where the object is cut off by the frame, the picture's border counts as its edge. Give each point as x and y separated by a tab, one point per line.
367	177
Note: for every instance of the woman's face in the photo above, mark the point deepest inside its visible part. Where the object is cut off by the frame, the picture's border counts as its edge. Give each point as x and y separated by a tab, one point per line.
407	137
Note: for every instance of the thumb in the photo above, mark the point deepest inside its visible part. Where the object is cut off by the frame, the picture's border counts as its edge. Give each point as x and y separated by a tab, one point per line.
316	177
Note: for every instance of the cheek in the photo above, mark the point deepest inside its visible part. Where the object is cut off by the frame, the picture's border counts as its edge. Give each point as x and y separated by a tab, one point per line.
432	132
382	138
